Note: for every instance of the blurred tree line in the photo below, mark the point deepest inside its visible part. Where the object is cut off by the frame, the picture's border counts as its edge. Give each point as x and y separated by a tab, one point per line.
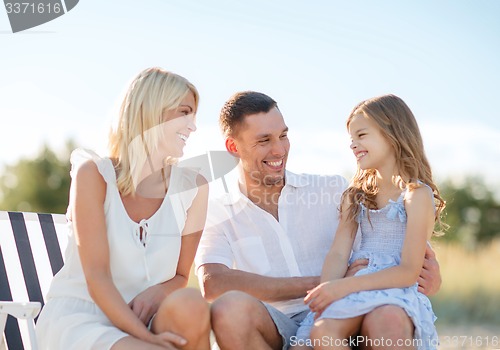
472	212
42	185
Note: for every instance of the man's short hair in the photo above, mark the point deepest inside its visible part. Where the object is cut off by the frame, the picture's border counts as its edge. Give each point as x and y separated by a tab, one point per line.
241	105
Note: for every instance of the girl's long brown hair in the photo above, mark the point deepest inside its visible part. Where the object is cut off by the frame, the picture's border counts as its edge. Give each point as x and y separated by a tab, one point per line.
398	125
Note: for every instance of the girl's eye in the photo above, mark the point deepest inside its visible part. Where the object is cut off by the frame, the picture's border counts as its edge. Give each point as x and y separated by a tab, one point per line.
361	135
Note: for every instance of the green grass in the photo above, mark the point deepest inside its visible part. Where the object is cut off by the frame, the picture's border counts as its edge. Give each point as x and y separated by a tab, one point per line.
470	293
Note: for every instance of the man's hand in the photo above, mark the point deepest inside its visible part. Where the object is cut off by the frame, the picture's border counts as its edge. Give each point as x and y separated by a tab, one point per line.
357	265
429	280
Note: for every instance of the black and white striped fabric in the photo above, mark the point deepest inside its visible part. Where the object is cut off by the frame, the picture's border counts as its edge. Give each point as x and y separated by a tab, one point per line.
31	247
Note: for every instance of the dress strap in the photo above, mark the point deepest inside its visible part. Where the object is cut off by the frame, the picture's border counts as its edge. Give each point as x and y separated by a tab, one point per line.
397	209
104	165
431	192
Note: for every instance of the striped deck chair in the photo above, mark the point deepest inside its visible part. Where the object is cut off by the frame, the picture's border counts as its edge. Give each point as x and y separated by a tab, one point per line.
30	254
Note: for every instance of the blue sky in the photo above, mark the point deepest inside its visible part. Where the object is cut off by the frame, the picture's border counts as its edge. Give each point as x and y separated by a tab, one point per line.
317	59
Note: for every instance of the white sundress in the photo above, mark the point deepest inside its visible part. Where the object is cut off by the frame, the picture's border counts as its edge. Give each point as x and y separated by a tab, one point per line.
381	243
70	320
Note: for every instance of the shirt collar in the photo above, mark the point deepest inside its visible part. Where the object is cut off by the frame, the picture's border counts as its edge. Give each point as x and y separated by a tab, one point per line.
296	180
291	180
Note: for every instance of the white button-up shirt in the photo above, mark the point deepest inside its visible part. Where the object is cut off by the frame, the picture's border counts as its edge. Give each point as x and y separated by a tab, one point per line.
242	236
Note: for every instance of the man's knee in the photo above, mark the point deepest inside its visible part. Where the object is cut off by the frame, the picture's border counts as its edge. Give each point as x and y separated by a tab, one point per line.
232	309
238	318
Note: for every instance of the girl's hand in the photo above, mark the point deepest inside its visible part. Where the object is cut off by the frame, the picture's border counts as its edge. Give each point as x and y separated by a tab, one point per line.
146	303
323	295
168	340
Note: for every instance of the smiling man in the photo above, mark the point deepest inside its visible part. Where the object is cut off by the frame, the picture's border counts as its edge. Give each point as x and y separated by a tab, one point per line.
261	143
265	242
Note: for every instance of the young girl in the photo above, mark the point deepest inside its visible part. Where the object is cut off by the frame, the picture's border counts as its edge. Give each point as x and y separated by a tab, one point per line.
135	221
394	201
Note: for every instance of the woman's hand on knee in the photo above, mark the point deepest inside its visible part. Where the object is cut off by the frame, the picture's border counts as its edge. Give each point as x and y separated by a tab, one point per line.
168	340
146	304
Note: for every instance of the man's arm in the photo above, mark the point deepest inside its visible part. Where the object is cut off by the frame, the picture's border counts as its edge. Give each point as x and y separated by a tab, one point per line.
216	279
429	280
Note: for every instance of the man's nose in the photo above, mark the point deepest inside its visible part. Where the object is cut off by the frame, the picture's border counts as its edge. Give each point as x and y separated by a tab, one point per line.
278	148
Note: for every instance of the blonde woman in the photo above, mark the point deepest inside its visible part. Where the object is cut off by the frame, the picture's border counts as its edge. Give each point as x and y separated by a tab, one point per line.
135	221
395	202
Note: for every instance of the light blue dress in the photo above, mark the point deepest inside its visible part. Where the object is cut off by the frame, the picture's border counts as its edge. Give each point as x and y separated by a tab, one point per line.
382	237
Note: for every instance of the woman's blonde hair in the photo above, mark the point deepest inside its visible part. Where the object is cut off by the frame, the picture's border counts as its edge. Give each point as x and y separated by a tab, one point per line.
397	123
152	92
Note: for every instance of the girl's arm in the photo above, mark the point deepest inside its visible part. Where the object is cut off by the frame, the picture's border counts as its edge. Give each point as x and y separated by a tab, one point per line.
336	263
337	259
86	210
420	223
146	304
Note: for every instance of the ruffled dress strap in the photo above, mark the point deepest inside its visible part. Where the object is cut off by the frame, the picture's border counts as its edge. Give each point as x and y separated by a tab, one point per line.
80	155
183	190
105	167
397	208
431	192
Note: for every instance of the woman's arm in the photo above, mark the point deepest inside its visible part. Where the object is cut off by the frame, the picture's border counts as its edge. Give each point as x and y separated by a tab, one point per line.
88	191
146	304
420	223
